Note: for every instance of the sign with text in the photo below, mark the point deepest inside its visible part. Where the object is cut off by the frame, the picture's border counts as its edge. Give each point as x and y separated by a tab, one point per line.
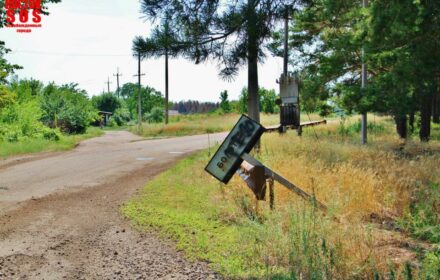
240	140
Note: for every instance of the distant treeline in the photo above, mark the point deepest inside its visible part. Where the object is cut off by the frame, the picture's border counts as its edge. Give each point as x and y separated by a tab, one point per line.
194	107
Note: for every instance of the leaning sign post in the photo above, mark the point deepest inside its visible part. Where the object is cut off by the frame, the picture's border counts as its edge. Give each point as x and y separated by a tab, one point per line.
233	156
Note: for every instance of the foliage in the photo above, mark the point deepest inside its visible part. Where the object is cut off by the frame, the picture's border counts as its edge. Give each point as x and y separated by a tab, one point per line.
20	122
107	102
267	101
7	97
224	102
423	218
6	69
66	108
36	145
396	39
431	265
150	98
155	116
231	32
121	116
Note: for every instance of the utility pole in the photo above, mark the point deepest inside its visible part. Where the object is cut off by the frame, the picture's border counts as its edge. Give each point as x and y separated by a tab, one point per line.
166	86
286	42
364	75
117	75
108	84
139	93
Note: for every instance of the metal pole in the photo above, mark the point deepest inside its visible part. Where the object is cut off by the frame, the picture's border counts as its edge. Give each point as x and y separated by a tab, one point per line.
364	122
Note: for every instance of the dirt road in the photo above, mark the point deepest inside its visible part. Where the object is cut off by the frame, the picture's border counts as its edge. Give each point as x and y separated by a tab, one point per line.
59	214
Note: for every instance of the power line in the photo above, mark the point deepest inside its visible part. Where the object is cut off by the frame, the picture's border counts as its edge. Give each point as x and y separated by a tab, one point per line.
69	54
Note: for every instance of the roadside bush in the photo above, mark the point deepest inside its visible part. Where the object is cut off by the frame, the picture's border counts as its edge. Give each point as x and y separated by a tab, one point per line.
7	97
20	122
66	108
155	116
121	116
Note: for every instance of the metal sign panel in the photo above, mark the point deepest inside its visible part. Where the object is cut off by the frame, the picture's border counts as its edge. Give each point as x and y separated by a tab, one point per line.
240	140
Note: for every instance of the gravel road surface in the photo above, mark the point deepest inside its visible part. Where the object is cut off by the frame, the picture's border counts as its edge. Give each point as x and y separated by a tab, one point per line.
59	212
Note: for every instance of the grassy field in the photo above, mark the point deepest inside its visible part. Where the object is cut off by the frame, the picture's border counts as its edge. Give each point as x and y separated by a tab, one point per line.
200	124
383	220
40	145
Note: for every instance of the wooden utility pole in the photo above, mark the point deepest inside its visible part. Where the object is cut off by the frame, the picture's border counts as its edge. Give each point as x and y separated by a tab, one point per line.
108	84
117	75
364	122
139	75
166	87
286	42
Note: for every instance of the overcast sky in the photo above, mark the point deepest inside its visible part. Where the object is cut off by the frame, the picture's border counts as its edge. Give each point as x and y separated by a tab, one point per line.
84	41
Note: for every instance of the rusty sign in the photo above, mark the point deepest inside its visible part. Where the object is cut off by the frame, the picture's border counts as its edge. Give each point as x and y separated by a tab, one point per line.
240	140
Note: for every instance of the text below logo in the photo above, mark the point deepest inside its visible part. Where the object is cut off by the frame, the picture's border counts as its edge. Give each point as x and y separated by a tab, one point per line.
23	15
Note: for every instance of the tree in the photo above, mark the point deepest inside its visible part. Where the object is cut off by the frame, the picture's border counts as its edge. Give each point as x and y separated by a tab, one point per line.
6	68
163	42
224	102
149	96
67	108
400	41
231	32
107	102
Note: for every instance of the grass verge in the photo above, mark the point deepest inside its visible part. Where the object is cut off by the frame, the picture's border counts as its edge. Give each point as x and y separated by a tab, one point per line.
368	188
66	142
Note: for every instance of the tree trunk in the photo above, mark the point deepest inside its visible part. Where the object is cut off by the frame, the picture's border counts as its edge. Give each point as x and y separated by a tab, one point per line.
436	105
253	98
425	117
166	87
412	119
252	52
401	126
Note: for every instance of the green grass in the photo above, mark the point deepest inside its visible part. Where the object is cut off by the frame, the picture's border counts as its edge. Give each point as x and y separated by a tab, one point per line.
66	142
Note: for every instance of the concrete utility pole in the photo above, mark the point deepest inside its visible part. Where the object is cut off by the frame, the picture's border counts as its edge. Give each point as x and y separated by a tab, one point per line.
108	84
117	75
364	122
139	75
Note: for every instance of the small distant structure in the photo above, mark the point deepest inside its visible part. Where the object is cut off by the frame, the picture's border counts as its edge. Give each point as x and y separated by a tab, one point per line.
173	113
105	116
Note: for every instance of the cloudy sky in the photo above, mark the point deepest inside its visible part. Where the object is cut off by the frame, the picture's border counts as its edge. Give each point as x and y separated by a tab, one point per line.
85	41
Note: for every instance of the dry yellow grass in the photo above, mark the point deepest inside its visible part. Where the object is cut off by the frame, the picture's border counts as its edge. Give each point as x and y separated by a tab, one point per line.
368	190
360	185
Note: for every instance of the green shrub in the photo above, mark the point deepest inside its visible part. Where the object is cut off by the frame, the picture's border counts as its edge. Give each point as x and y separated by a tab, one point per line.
121	116
155	116
431	266
423	218
66	108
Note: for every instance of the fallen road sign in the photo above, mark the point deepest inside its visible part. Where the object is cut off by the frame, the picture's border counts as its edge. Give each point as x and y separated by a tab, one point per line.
240	140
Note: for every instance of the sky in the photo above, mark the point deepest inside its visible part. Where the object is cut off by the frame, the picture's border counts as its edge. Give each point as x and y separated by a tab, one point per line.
85	41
